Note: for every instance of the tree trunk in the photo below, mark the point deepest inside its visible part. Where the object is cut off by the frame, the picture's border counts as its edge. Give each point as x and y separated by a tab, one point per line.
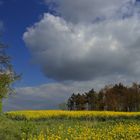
0	106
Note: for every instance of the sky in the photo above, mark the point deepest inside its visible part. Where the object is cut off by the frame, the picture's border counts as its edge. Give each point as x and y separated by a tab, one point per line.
66	46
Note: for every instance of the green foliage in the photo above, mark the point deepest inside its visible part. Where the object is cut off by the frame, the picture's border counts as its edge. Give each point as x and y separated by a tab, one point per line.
0	106
5	85
9	130
6	81
7	74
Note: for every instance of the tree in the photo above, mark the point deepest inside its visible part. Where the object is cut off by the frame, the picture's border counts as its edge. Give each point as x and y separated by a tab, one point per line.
7	75
91	98
100	101
112	98
80	102
71	102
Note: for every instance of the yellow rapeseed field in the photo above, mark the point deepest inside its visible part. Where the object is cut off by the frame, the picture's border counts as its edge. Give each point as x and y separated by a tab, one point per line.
118	132
32	115
82	125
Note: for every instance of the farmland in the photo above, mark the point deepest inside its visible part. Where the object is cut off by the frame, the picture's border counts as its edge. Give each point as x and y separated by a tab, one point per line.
69	125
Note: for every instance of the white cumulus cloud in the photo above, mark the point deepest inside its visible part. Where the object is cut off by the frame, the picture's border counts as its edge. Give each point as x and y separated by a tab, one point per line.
68	51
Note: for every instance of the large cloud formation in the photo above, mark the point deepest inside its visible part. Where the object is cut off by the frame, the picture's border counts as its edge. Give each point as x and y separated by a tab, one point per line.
89	10
89	39
85	44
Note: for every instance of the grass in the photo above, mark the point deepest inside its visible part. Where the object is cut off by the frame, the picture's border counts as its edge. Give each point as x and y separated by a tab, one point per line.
68	128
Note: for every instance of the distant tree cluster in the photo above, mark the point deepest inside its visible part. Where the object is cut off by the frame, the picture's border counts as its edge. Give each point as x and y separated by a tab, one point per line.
111	98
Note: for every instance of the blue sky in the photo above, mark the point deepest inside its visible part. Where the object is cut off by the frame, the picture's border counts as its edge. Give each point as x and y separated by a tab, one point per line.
16	16
66	46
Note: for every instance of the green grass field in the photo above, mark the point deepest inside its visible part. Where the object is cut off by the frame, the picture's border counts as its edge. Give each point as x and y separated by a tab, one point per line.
55	127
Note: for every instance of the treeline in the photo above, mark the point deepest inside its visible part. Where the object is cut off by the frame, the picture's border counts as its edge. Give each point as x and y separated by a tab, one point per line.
111	98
